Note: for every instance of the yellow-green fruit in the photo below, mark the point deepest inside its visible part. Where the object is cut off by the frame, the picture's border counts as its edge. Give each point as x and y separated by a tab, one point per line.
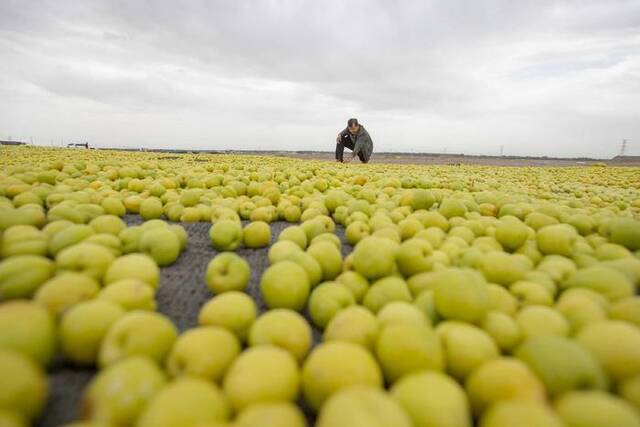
118	394
329	258
23	388
356	231
362	406
151	208
86	258
262	374
502	268
282	328
232	310
185	402
556	239
511	234
579	309
402	349
161	244
521	413
205	352
432	399
461	295
109	241
294	234
226	235
626	231
537	320
465	347
374	257
83	327
275	414
28	328
353	324
385	291
108	224
616	345
503	329
281	250
607	281
141	333
134	266
23	240
285	285
627	309
414	256
336	365
595	409
68	236
21	275
562	364
10	418
501	379
425	302
130	238
326	300
257	234
531	293
130	294
113	206
629	390
355	282
227	272
65	290
452	207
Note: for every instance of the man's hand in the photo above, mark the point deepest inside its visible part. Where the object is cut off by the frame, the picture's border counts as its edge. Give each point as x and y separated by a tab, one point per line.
339	139
348	159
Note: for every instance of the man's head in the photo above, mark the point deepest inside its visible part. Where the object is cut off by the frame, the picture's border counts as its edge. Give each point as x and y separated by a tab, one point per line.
353	126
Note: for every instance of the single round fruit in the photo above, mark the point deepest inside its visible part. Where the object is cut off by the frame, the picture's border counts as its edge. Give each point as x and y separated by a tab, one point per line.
521	413
161	244
232	310
273	414
257	234
385	291
28	328
130	294
283	328
594	409
374	257
285	285
65	290
226	235
22	275
467	347
134	266
326	300
353	324
227	272
23	388
461	295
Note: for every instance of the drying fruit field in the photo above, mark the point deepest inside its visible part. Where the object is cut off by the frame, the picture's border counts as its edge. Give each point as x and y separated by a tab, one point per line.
201	290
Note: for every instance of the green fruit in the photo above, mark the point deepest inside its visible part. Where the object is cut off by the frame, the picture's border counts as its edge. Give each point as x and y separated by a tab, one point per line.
134	266
502	268
616	345
355	282
450	208
226	235
110	224
108	241
353	324
205	352
294	234
151	208
65	290
502	300
23	388
521	413
257	234
402	312
227	272
23	240
579	309
141	333
627	309
130	294
531	293
136	380
414	256
461	295
87	258
425	302
604	280
285	285
538	320
83	327
10	418
21	275
502	379
403	348
556	239
503	329
329	258
28	328
161	244
276	414
467	347
629	390
232	310
362	406
113	206
328	237
262	374
385	291
595	409
310	265
626	231
511	234
335	365
130	238
326	300
432	399
68	236
374	257
282	250
185	402
562	364
282	328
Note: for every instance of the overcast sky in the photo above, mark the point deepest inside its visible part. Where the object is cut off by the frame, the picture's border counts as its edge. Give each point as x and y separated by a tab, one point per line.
537	77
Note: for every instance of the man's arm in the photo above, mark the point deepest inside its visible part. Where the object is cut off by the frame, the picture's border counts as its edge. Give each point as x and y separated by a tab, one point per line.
341	135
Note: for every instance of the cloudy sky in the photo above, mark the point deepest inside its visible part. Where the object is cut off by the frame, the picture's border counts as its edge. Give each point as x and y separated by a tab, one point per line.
536	77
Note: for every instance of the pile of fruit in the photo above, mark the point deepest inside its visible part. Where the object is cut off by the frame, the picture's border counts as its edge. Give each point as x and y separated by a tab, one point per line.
494	297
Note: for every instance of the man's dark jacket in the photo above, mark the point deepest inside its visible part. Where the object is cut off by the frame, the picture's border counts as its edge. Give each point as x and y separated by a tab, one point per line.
362	141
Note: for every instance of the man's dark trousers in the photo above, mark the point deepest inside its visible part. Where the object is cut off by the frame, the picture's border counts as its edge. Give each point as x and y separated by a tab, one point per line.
346	142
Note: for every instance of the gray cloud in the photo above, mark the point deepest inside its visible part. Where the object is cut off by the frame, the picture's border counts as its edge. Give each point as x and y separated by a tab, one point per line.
547	77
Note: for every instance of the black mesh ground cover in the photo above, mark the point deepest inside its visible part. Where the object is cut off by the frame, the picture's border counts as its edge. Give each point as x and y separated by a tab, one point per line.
181	294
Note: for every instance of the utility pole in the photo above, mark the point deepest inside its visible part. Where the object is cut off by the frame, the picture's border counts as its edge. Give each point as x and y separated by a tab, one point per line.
623	147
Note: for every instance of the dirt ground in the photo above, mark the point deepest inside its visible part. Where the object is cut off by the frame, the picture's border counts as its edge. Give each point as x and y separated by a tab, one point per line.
181	294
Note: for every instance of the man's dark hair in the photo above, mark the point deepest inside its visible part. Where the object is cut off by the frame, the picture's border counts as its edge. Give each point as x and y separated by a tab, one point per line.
352	122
